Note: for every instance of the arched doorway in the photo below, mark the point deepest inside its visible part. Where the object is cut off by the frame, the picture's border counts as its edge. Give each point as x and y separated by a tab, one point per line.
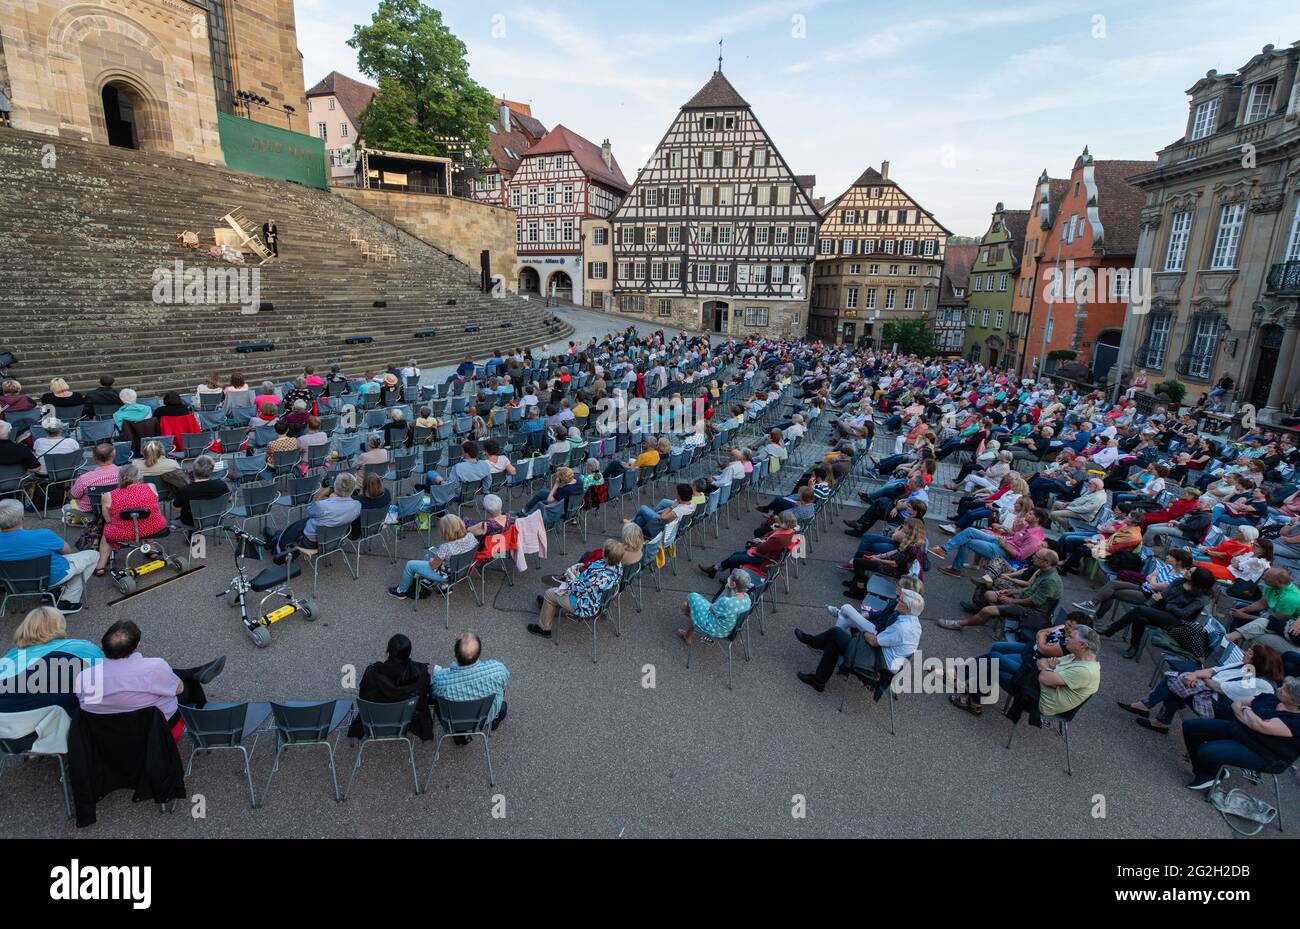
717	316
123	109
560	287
529	281
1270	351
1105	353
994	345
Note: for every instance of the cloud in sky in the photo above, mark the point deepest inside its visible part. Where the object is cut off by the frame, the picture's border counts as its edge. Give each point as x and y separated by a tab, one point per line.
968	105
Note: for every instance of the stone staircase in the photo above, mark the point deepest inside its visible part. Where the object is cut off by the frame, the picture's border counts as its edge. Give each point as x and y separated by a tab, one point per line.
83	238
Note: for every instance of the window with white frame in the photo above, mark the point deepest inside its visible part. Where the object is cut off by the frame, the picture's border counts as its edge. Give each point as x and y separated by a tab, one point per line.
705	196
826	246
761	234
909	299
970	317
928	247
871	298
631	303
1293	243
849	217
925	299
778	274
656	270
625	270
706	158
652	235
781	235
873	269
760	157
722	274
1229	237
674	196
600	236
1002	282
1157	344
638	270
1204	345
566	230
674	271
893	270
855	269
534	231
1261	99
891	298
984	318
847	246
728	158
532	196
909	247
1205	120
665	308
674	235
800	235
675	158
724	235
550	195
851	298
912	270
599	270
628	235
650	196
703	273
756	316
889	246
999	319
566	194
706	235
1180	230
514	198
759	275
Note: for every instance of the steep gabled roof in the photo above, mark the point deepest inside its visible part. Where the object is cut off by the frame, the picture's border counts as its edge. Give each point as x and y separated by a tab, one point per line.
957	261
716	94
588	155
525	131
353	95
1016	221
1120	204
872	178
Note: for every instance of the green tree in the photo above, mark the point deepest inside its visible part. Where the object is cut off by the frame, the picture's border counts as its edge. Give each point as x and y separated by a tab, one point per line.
426	95
913	336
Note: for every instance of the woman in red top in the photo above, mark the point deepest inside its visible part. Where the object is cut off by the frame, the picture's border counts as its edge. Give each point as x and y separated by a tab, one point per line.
760	552
130	494
1218	558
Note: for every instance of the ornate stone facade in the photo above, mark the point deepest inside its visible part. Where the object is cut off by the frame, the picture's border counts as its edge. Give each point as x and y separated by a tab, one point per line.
140	73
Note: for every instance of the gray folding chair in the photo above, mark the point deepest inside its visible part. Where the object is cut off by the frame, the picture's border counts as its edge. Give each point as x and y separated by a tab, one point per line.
456	571
728	642
372	527
220	726
255	504
60	469
21	748
464	719
27	578
308	724
385	722
330	540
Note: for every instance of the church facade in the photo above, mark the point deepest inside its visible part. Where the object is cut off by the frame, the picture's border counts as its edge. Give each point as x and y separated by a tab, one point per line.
151	74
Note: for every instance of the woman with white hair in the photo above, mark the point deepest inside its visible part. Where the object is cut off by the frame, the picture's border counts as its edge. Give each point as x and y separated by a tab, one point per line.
718	618
131	493
153	462
494	520
882	650
54	442
130	411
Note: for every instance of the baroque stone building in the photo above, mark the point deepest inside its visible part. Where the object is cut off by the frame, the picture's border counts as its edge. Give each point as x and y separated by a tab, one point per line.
717	232
879	258
149	74
1221	235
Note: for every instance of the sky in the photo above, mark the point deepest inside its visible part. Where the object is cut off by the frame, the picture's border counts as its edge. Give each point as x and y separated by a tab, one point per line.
968	102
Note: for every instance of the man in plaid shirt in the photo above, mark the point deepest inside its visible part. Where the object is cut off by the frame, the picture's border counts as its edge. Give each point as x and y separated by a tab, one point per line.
472	679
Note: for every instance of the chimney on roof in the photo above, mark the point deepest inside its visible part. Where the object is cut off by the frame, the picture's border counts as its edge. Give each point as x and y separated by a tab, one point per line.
884	170
505	118
607	155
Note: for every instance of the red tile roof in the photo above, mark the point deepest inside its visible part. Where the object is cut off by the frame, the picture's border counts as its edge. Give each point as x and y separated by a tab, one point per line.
588	155
353	95
957	261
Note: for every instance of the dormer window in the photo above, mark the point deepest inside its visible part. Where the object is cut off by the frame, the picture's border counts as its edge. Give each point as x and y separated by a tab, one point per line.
1261	99
1203	123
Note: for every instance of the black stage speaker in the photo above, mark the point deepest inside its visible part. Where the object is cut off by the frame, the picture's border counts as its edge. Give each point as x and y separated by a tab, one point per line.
245	347
359	339
426	333
473	328
485	262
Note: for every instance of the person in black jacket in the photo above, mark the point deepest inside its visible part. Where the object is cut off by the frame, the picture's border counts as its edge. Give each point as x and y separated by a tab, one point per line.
397	679
271	236
105	395
1171	611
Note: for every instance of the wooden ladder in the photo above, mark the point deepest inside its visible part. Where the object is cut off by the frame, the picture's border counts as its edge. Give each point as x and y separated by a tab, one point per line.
250	236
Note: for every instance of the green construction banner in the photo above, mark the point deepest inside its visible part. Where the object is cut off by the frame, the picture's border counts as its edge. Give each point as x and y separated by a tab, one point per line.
269	151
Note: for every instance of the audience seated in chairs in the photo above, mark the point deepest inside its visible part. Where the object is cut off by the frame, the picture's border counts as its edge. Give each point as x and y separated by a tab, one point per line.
130	411
1263	735
13	400
494	520
906	549
1051	686
472	677
70	569
131	493
43	653
455	540
102	473
1272	620
154	462
860	644
1174	611
652	519
715	619
203	487
1208	692
336	507
551	502
760	553
583	594
126	680
397	679
1030	605
470	469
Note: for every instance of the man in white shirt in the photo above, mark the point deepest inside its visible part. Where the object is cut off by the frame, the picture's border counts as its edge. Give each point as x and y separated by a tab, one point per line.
733	470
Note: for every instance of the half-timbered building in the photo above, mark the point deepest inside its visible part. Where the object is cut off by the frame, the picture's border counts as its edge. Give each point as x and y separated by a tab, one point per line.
879	258
510	136
561	183
717	232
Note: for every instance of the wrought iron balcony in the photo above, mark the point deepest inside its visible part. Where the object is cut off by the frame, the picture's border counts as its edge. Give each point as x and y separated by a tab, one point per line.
1284	278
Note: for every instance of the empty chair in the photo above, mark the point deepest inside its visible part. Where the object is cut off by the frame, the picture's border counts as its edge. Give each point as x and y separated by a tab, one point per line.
45	743
385	722
220	726
308	724
250	467
255	502
27	578
330	541
297	492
